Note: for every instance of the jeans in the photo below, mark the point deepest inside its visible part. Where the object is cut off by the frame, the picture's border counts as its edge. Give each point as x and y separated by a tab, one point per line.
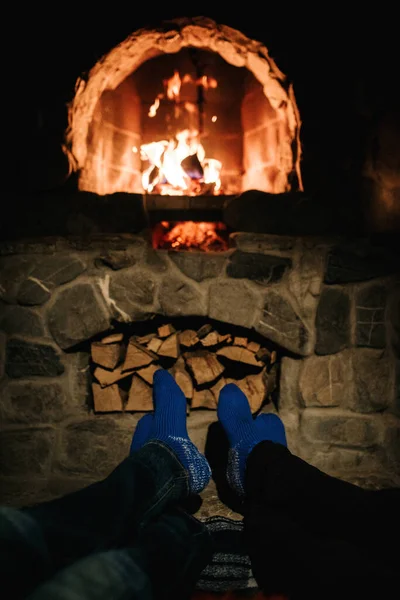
124	537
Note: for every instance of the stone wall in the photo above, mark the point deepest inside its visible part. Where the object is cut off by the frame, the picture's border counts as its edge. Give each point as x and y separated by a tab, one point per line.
333	306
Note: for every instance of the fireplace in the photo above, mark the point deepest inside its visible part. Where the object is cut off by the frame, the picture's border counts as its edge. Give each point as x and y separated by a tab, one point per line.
303	287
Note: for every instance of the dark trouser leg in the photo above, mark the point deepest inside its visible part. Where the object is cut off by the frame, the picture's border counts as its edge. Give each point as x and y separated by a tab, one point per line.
164	564
320	512
108	514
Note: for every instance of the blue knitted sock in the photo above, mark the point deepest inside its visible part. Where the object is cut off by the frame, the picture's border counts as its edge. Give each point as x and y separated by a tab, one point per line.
243	431
142	432
170	427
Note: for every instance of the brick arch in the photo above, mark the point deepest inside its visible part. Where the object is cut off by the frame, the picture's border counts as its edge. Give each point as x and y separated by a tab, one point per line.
144	44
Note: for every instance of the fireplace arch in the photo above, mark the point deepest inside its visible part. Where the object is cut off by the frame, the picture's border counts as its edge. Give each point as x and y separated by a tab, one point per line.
106	114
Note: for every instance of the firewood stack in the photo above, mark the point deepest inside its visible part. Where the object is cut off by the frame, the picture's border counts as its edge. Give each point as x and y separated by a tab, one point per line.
201	361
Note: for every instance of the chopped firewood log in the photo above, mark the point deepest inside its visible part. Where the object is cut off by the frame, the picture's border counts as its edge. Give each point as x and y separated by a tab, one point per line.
147	373
211	339
106	378
264	355
224	338
140	396
204	330
203	399
154	344
106	399
170	347
240	341
273	357
112	338
204	366
253	346
217	387
253	386
188	338
106	355
144	339
239	354
137	356
185	382
165	330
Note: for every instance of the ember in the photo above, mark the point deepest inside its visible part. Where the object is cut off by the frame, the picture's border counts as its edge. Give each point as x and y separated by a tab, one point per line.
178	165
189	235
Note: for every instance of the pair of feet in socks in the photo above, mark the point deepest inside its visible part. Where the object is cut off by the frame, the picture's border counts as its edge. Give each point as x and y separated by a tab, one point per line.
168	425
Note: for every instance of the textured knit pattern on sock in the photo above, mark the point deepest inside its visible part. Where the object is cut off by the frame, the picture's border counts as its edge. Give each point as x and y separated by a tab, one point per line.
170	428
142	432
243	432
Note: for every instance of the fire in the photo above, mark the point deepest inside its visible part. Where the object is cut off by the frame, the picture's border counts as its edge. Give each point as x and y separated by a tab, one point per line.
189	235
179	165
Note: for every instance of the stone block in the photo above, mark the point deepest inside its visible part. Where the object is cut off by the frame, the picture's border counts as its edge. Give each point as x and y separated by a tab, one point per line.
370	315
2	353
289	390
48	273
332	321
393	320
280	323
358	262
332	426
156	260
94	447
373	381
199	265
327	380
18	320
77	314
337	461
392	442
234	302
262	268
27	359
177	297
23	491
13	271
258	242
33	402
122	259
26	452
131	294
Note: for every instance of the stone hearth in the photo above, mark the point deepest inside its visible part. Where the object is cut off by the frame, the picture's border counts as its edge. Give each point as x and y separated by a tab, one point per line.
331	306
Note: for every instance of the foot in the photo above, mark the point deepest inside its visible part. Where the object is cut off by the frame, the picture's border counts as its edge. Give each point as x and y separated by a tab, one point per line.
244	432
142	433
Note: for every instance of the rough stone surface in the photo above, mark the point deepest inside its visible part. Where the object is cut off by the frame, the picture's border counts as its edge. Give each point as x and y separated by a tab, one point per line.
374	385
332	426
18	320
132	293
393	319
2	353
26	359
339	462
23	490
281	324
94	447
177	298
327	380
256	242
392	442
77	364
199	265
156	260
13	270
26	452
370	316
77	314
305	279
332	321
262	268
121	259
47	274
234	302
33	402
358	262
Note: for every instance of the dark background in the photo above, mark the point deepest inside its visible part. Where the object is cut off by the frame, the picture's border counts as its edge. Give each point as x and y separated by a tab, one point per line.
343	62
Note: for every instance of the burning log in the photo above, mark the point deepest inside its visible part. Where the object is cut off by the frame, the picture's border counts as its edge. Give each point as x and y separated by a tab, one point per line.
106	399
204	366
106	355
137	356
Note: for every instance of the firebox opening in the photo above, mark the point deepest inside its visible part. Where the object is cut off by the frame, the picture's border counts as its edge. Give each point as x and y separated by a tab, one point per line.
203	355
200	236
185	117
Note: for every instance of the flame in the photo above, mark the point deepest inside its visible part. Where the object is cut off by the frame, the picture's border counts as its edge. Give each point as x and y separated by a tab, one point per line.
191	235
179	165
